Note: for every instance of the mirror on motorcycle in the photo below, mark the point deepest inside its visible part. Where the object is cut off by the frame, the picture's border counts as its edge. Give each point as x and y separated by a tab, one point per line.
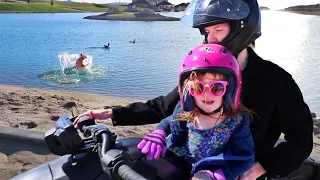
53	143
75	112
64	138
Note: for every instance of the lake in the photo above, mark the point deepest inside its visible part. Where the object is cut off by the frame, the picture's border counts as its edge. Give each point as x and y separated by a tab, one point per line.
33	48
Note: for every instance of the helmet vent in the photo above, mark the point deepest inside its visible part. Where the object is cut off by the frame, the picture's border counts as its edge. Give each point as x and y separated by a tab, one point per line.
230	62
190	52
206	60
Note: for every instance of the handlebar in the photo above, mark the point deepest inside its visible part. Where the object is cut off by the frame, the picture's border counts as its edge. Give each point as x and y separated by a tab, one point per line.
115	161
105	144
127	173
66	139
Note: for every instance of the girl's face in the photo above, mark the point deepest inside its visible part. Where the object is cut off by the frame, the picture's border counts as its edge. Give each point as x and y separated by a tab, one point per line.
207	102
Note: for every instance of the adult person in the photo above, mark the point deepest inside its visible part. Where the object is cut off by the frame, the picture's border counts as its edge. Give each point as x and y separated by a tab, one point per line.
79	63
274	97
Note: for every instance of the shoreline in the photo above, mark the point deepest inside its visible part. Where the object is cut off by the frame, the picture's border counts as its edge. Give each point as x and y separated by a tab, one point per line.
112	18
302	12
139	16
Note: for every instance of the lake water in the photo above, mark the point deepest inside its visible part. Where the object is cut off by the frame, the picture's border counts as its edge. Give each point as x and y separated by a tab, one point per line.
31	44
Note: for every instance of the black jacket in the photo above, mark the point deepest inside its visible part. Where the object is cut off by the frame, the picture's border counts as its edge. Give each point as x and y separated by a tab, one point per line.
276	99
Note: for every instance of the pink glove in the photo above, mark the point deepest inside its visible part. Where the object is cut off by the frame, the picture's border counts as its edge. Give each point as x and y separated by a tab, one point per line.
154	144
208	175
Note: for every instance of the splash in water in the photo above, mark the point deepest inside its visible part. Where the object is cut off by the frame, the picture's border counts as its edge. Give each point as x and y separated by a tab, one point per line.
69	74
68	61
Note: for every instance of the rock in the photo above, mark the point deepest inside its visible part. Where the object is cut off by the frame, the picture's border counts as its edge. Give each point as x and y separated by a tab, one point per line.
3	158
69	105
40	97
31	125
54	118
14	109
113	11
313	115
107	107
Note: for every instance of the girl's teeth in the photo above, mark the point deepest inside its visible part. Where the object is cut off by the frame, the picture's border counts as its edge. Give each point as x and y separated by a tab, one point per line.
208	101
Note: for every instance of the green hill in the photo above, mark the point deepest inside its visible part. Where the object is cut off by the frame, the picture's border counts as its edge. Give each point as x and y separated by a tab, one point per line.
313	9
264	8
43	7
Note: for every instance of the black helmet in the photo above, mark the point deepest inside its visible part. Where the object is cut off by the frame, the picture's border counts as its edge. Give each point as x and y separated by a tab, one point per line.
244	17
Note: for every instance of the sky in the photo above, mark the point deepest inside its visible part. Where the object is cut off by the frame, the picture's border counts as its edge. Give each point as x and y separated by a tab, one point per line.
272	4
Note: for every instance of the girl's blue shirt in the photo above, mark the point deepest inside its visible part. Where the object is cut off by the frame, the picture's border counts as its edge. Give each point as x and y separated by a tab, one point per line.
228	146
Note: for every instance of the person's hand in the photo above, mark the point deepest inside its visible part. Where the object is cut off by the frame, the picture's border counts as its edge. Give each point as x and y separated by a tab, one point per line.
154	145
202	176
209	175
254	172
101	114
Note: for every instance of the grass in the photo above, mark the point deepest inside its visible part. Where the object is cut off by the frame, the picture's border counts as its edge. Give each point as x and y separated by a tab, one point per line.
30	7
56	7
81	6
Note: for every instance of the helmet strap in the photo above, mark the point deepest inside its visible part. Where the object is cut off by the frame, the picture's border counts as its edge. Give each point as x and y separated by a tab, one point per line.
203	32
235	28
213	112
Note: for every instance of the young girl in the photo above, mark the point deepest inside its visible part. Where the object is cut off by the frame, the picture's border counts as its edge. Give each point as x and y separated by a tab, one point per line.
209	128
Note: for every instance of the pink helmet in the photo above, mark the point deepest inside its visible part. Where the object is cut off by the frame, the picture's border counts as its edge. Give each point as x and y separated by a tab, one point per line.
211	58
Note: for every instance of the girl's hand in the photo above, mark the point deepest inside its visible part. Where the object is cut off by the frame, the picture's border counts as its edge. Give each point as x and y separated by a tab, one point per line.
208	175
101	114
203	175
254	172
154	145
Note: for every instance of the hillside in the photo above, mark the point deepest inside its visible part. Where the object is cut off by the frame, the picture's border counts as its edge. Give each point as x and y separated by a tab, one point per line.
313	9
264	8
57	7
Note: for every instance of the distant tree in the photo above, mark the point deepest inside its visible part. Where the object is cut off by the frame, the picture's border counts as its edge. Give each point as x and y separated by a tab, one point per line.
51	2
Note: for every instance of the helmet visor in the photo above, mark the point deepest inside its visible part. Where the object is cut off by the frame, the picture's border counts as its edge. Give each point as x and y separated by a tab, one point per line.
207	11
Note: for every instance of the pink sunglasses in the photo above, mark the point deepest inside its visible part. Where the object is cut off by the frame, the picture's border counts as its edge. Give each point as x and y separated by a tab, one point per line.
216	88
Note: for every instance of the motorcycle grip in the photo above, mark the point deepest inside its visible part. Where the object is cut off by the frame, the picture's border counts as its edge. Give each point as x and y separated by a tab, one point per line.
127	173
